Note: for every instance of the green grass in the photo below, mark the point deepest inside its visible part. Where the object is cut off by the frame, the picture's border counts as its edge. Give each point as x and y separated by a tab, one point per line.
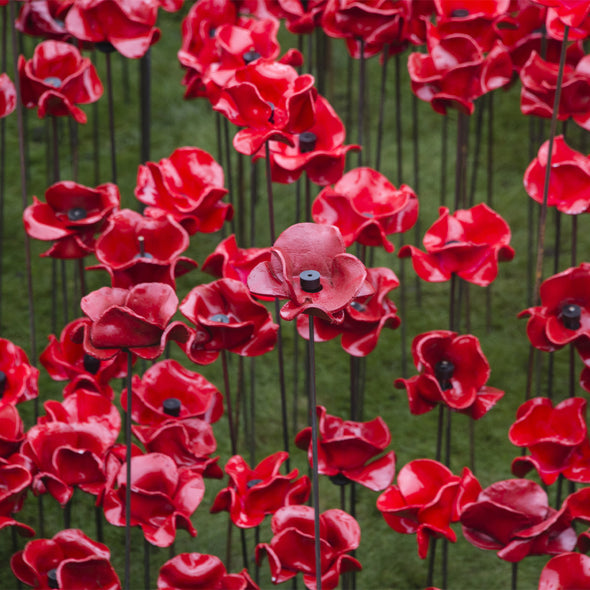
389	560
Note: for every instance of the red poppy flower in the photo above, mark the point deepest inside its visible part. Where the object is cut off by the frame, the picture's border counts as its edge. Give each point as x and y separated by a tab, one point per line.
571	12
254	493
366	208
163	497
564	313
199	571
15	480
348	451
11	430
44	18
189	186
557	20
7	96
513	517
226	318
456	71
301	16
364	317
319	151
70	217
309	266
552	436
228	261
128	25
135	319
271	100
18	378
69	560
453	371
469	243
168	379
426	500
66	360
568	571
539	83
56	79
291	550
569	184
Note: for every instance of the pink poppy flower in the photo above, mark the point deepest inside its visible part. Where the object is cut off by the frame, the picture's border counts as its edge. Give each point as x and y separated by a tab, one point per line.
7	96
163	497
18	378
366	208
135	319
199	571
291	550
469	243
189	186
426	500
568	571
513	517
56	79
254	493
68	560
309	266
351	451
15	480
453	372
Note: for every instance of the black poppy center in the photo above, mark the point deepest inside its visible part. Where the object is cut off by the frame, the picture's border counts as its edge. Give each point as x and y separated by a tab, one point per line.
77	213
53	81
91	364
142	252
250	56
271	117
307	141
310	281
3	382
358	306
52	578
254	482
172	406
443	371
339	479
221	318
105	46
570	316
460	12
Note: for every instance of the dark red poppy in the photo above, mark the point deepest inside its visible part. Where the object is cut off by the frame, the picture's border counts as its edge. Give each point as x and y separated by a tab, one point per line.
18	378
56	79
199	571
70	217
426	500
228	261
15	480
226	317
271	100
539	83
291	550
349	451
189	186
568	571
127	25
168	379
564	314
513	517
70	559
7	96
135	319
552	435
11	430
366	208
309	266
300	16
453	372
44	18
469	243
569	184
66	360
254	493
163	497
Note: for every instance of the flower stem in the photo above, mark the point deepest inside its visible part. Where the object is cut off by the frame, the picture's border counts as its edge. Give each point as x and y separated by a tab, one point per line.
128	471
381	107
230	415
145	85
111	118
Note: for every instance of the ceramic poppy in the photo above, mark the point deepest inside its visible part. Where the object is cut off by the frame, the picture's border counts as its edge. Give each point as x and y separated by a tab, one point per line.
351	451
366	208
135	319
468	243
56	79
567	13
199	571
453	372
11	430
44	18
513	518
226	317
70	559
163	497
7	96
300	17
189	186
126	25
15	480
193	395
18	378
309	266
291	550
568	571
255	492
70	217
426	500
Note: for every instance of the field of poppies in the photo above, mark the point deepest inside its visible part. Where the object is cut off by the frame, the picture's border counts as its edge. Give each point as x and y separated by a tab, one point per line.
301	273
